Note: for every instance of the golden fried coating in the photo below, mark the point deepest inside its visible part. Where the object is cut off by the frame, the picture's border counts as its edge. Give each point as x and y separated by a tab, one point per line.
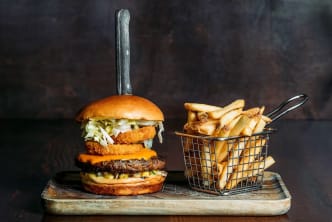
125	143
136	136
95	148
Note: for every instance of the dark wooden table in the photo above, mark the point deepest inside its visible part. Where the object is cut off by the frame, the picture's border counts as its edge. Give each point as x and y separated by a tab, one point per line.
32	151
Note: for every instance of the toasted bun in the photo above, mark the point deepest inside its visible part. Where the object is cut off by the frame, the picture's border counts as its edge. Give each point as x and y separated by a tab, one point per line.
125	187
121	107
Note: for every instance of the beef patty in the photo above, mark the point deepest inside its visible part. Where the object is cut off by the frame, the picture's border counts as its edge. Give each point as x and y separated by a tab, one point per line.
123	166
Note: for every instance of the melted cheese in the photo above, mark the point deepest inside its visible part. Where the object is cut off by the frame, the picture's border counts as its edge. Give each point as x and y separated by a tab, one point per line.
143	154
110	178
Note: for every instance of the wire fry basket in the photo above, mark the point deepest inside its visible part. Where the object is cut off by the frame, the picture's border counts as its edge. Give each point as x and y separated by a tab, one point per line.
242	171
231	165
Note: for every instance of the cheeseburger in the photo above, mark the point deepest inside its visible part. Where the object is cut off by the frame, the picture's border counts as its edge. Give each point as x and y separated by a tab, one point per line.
119	160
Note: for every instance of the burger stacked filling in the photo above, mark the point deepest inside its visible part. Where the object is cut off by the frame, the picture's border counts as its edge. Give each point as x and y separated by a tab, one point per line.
110	131
119	159
118	150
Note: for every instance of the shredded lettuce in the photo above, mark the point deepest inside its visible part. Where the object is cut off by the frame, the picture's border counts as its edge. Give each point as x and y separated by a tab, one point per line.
102	130
161	129
148	143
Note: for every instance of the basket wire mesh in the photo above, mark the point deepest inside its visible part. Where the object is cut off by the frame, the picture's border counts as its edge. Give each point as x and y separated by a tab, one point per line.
225	166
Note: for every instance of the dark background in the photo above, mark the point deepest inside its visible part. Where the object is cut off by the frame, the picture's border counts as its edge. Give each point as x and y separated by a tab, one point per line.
56	56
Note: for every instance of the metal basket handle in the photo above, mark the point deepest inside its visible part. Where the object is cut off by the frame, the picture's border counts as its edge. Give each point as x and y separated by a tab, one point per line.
279	112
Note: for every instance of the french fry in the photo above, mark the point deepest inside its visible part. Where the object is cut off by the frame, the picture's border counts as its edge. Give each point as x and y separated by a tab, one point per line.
202	116
253	147
225	122
251	112
187	144
191	117
218	113
221	146
269	161
189	127
250	153
255	168
227	161
195	170
192	126
207	128
206	166
228	117
240	125
260	125
247	131
235	151
266	119
218	169
231	163
248	158
199	107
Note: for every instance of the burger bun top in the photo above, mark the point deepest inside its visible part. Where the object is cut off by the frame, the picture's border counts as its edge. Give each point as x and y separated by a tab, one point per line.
121	107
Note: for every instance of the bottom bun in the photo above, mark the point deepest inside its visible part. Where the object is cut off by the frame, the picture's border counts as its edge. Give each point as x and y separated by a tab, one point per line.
134	187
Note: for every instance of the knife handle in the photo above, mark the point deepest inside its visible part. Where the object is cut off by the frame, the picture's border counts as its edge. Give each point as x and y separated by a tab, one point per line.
123	52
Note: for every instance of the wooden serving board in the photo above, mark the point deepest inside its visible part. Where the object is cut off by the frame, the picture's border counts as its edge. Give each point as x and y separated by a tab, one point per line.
64	195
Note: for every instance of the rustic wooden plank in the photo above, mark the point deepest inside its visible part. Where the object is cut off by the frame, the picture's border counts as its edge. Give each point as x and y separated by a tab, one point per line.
65	196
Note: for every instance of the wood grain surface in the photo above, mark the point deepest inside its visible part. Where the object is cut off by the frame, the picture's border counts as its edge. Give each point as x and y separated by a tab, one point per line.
64	195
